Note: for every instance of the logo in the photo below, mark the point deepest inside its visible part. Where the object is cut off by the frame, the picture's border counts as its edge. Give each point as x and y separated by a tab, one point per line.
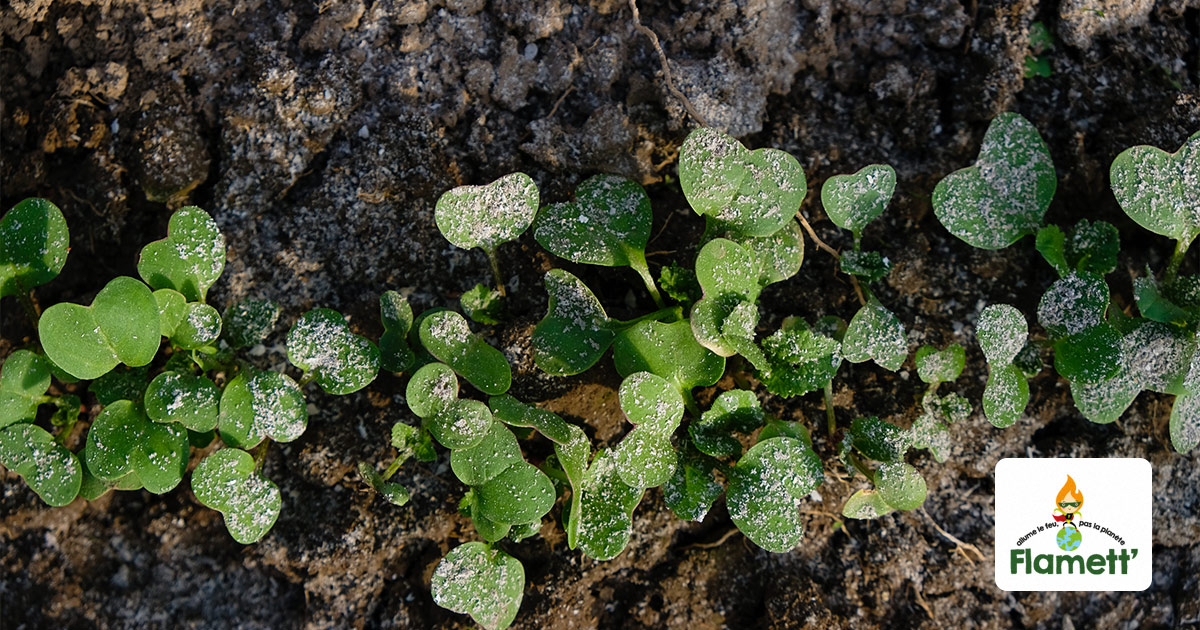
1046	541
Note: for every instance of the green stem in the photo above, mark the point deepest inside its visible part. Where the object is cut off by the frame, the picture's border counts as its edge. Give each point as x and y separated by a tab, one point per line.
639	265
690	403
260	455
674	312
830	418
393	467
1181	248
862	468
306	378
495	263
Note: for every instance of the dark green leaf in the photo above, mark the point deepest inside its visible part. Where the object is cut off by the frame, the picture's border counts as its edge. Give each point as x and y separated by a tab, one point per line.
250	322
448	338
121	326
189	259
227	481
33	246
477	580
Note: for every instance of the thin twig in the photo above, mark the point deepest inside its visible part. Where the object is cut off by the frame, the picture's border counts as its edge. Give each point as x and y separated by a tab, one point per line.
921	601
832	252
963	547
662	57
716	543
570	88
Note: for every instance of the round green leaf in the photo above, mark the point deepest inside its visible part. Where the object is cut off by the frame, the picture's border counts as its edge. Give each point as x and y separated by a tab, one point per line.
448	338
605	514
200	326
123	440
397	318
259	403
785	462
172	307
227	482
1005	396
249	322
1002	332
765	488
341	362
24	379
940	366
608	223
33	246
1160	190
1089	356
690	492
431	389
519	494
575	332
121	326
1073	304
724	267
462	424
866	504
879	440
780	254
485	216
752	193
1004	195
477	580
192	401
900	485
875	333
649	401
493	455
51	470
669	351
515	413
189	259
853	201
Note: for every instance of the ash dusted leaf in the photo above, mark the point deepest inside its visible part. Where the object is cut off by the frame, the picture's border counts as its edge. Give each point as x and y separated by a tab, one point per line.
900	485
123	383
853	201
1160	190
250	322
801	361
1002	332
866	504
260	403
485	460
395	493
412	442
190	400
879	440
24	379
486	216
953	407
121	326
1093	247
606	509
321	344
736	410
397	318
707	320
667	350
34	242
690	492
645	457
489	530
780	255
1073	304
200	326
575	332
462	424
607	224
1089	356
1029	359
573	456
520	494
172	307
738	331
431	390
875	333
189	259
871	266
765	489
226	481
724	267
483	304
1005	396
940	366
51	470
1153	356
1005	194
478	580
123	440
1185	422
928	432
1052	245
448	338
513	412
750	193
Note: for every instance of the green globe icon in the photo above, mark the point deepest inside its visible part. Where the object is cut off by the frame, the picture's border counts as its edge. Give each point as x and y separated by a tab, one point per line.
1069	539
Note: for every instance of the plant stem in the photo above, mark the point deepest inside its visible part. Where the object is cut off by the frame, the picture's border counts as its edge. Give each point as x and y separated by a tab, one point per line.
393	467
1181	248
862	468
306	378
675	312
491	254
830	418
260	455
690	403
639	265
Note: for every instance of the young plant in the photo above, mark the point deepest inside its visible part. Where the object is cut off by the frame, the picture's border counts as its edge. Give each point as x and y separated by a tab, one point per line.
488	216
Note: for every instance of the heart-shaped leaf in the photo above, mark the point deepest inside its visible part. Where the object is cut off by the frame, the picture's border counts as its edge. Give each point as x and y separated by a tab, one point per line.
751	193
515	413
866	504
1073	304
900	485
853	201
667	350
200	326
431	390
447	337
519	494
645	457
121	326
477	580
1006	395
1160	190
1004	195
24	379
485	216
940	366
1002	332
606	509
690	492
608	224
397	318
33	246
226	481
189	259
575	332
483	305
736	410
51	470
765	489
258	403
879	440
1153	356
800	361
493	455
875	333
123	440
1089	356
172	307
321	344
250	322
192	401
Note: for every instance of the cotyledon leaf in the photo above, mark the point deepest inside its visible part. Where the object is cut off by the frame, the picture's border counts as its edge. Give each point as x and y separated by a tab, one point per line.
780	255
575	332
24	379
123	440
1006	395
879	440
519	494
462	424
249	322
875	333
900	485
227	481
189	259
605	514
431	389
482	462
852	201
690	492
190	400
645	457
1073	304
734	411
200	326
765	489
513	412
866	504
1160	190
486	216
479	580
1002	332
397	318
262	403
172	307
121	326
667	350
938	366
51	470
447	337
1005	194
341	362
33	246
607	224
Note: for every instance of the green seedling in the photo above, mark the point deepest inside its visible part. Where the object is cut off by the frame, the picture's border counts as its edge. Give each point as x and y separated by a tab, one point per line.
192	401
481	581
487	216
24	379
455	423
397	316
122	440
449	339
321	344
645	458
765	490
1002	332
33	247
853	201
875	334
121	326
409	441
260	403
249	322
191	257
228	481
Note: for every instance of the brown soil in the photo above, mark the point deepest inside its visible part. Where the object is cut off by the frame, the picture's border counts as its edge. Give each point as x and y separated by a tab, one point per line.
319	137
